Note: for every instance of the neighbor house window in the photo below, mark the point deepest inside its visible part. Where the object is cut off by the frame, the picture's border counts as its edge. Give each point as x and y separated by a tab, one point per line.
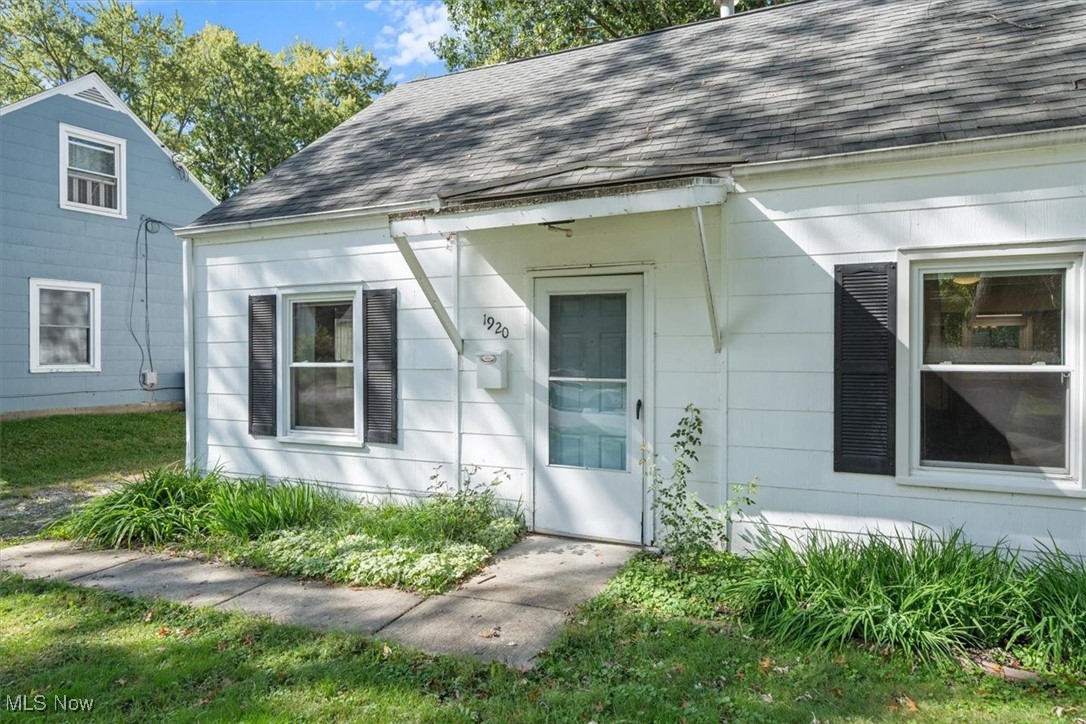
322	365
65	326
995	371
92	169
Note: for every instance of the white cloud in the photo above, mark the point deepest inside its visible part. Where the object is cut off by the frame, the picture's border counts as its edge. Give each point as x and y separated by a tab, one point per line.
412	27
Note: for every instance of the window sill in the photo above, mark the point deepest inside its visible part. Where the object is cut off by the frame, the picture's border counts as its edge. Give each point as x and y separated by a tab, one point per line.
1048	487
99	210
64	368
329	440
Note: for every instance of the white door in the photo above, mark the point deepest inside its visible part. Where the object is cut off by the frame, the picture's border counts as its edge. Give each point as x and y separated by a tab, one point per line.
589	411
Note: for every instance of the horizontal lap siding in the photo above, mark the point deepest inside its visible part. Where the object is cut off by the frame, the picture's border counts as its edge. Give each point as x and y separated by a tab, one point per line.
784	237
494	282
40	239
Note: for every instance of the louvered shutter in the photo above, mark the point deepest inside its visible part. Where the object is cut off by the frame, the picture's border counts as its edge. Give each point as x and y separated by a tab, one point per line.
865	322
380	400
262	382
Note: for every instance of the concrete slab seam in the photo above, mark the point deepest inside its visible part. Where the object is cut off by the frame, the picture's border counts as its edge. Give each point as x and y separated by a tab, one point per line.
242	593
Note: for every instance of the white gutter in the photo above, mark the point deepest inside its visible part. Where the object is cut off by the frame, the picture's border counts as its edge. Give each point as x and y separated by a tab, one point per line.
194	232
916	152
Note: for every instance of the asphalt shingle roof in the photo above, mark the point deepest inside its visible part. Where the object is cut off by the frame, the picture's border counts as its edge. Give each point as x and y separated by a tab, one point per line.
801	80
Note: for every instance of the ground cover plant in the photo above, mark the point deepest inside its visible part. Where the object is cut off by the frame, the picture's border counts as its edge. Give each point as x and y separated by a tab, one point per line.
143	660
64	449
305	530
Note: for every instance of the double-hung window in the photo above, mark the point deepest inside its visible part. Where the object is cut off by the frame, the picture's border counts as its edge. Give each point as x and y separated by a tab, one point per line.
995	373
65	326
322	366
92	171
322	372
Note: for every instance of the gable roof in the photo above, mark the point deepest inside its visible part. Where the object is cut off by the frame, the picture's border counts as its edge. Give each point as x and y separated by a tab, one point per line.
90	88
801	80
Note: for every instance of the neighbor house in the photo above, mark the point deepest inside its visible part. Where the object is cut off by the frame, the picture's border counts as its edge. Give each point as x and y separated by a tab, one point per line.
90	271
852	232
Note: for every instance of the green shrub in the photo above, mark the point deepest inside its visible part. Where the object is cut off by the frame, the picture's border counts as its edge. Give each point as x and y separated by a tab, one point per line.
250	508
929	597
1056	631
165	505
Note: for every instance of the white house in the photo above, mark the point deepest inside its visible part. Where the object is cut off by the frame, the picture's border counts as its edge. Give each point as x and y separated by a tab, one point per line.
851	231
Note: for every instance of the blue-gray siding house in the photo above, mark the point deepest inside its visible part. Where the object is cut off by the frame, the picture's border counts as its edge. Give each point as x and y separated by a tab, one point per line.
91	307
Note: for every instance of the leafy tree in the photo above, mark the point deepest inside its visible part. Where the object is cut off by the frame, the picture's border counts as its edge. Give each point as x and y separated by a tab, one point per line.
493	31
231	110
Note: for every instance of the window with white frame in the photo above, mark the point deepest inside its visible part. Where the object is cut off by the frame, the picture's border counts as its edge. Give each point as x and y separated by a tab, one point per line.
322	385
65	326
996	364
92	168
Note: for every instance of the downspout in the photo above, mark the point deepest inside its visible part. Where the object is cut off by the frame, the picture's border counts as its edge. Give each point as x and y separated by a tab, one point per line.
459	362
188	256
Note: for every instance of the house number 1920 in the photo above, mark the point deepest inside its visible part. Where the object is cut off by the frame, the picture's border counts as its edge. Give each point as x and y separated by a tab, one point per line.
495	326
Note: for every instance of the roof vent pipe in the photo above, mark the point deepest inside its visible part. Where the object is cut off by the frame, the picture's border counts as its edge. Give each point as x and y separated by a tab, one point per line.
727	7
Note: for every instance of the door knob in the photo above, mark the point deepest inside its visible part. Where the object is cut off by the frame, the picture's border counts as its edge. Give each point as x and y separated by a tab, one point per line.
637	414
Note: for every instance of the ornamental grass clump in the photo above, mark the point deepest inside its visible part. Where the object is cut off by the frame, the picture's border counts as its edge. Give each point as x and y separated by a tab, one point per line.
928	596
163	506
250	508
1056	631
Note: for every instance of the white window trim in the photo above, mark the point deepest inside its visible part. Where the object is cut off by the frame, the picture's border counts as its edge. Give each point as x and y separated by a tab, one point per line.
66	132
913	263
95	289
321	293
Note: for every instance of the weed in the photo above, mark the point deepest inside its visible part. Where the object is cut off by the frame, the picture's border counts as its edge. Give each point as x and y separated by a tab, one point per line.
690	529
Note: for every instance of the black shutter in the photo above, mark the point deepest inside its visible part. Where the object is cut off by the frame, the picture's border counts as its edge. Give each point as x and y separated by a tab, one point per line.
262	381
865	350
380	400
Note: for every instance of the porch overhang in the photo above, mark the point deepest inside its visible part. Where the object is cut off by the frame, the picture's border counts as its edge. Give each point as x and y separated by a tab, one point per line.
590	203
691	194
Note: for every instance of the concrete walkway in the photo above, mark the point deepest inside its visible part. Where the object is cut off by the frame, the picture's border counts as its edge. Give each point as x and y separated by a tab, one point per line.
509	612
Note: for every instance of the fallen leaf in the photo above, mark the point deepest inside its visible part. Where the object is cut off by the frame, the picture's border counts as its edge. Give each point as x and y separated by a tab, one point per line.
222	646
837	692
186	632
765	665
909	703
840	660
164	631
781	669
534	694
805	696
148	616
386	651
120	682
767	698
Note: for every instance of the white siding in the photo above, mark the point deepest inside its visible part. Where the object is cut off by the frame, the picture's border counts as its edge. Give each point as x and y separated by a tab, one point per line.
783	237
767	398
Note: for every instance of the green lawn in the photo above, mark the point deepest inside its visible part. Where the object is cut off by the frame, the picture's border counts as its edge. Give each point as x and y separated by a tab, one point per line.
78	448
143	660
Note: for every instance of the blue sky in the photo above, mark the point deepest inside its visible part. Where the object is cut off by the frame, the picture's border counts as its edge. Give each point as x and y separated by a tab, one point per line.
397	31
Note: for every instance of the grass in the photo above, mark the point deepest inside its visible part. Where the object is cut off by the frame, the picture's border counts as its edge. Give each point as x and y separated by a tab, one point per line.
66	449
303	530
158	661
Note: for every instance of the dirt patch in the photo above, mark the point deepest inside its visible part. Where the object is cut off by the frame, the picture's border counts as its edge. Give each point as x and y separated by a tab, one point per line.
23	514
